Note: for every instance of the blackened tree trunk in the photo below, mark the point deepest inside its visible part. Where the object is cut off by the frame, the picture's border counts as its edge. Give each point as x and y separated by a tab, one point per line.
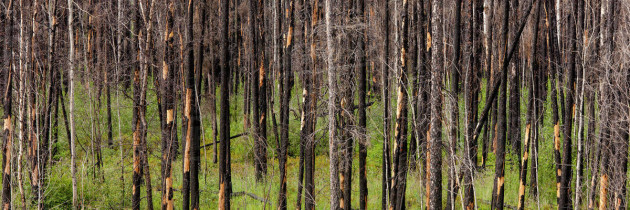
167	85
453	105
191	125
530	124
399	173
33	110
554	59
489	126
285	88
346	118
472	94
565	180
363	190
256	66
225	183
386	113
434	142
514	100
312	95
499	172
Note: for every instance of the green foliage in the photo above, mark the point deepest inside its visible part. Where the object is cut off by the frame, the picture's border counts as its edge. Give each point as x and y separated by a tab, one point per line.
108	193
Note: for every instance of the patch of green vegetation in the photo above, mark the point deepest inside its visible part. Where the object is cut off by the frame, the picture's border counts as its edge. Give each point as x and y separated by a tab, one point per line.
113	192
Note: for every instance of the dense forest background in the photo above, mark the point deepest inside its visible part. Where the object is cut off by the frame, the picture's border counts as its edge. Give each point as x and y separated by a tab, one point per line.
315	104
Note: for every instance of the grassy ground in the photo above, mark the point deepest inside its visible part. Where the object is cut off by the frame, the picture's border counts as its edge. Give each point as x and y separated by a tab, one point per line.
112	192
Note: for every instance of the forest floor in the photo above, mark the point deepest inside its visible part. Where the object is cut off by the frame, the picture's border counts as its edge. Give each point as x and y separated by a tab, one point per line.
112	191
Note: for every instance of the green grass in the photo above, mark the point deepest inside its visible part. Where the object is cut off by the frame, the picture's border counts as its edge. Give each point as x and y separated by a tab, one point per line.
109	194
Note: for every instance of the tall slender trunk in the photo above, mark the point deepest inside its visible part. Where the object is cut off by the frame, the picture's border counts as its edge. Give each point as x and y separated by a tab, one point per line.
311	117
256	66
399	173
514	98
7	143
489	127
306	88
225	183
531	115
167	85
73	167
33	109
346	118
286	83
499	172
471	99
332	92
565	180
434	142
386	113
453	109
191	125
363	190
553	64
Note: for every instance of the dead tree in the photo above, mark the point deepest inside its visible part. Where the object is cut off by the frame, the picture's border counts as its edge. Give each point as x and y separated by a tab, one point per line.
225	183
363	190
7	143
434	142
167	97
332	139
73	167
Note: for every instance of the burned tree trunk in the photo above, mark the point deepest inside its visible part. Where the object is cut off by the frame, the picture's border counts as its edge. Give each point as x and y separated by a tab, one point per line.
191	125
530	124
434	142
363	190
167	85
285	88
499	168
225	183
399	173
386	114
